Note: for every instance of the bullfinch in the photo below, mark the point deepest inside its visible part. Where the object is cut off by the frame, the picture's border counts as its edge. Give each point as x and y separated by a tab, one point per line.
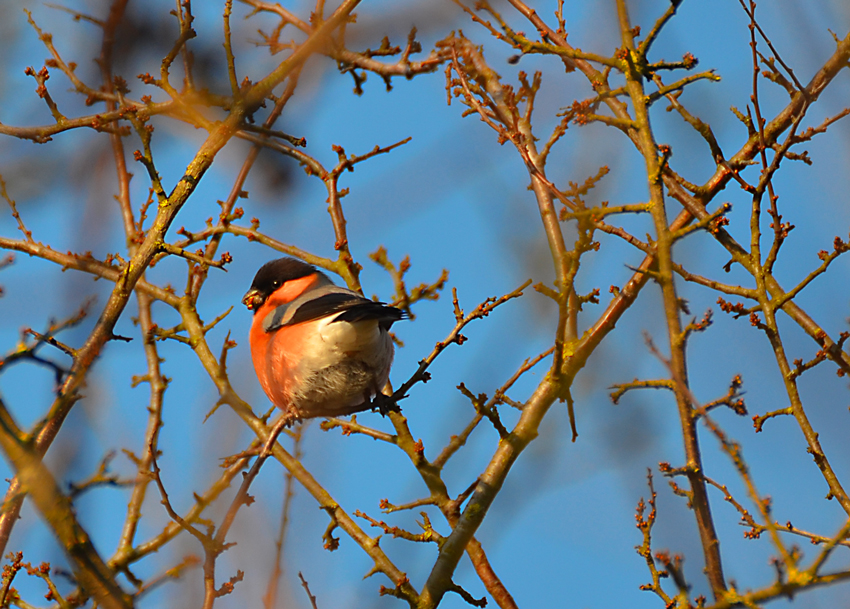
319	350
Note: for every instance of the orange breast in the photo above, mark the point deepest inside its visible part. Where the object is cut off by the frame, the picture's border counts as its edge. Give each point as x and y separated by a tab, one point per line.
276	354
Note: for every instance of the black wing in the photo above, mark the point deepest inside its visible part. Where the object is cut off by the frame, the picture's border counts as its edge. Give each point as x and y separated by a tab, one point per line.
352	307
368	309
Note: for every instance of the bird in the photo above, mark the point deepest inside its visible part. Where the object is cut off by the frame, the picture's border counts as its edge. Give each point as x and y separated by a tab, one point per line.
319	350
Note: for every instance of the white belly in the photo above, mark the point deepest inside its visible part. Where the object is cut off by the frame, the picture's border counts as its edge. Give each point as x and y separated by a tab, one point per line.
342	367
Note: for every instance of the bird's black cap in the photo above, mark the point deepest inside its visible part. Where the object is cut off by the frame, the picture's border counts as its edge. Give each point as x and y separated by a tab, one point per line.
274	274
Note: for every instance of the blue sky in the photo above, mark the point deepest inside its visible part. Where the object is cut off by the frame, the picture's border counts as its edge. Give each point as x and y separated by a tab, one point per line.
563	526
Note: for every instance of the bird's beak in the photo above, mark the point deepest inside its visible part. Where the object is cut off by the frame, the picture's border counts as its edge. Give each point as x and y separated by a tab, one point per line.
253	300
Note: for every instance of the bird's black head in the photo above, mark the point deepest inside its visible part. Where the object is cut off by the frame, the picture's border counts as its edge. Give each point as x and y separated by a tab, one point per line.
271	276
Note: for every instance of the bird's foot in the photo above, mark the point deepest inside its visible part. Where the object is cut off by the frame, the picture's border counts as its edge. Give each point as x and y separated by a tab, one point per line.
384	404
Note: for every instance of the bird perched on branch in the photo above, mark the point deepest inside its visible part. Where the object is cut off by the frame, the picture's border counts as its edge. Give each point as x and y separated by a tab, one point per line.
319	350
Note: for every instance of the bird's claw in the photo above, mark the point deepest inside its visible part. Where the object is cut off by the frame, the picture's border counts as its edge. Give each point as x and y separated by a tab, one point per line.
384	404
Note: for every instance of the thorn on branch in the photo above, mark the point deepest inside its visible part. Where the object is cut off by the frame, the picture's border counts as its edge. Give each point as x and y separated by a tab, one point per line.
306	587
732	399
348	162
466	596
759	420
673	568
226	346
9	595
331	542
486	409
700	326
542	288
461	320
400	590
621	389
13	206
403	298
45	338
592	297
389	508
353	427
429	534
228	586
197	257
101	477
